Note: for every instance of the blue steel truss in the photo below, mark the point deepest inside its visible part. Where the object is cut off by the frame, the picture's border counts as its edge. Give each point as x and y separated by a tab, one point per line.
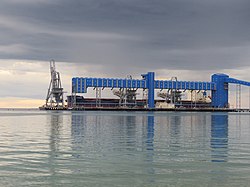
218	86
236	81
80	85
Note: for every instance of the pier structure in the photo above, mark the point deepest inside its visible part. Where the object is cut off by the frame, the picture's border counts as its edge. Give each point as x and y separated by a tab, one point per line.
218	86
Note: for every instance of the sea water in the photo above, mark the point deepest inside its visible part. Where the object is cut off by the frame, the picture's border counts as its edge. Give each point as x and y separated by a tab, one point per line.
97	148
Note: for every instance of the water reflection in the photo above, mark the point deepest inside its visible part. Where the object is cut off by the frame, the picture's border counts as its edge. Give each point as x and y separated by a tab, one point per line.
121	129
127	142
175	122
78	126
150	147
150	133
55	120
219	138
128	130
123	133
174	136
238	129
125	149
98	132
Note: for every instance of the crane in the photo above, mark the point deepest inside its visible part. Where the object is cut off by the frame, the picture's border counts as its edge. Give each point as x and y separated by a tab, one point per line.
55	92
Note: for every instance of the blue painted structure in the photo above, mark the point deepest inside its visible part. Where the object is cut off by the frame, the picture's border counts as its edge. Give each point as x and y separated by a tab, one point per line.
218	86
220	95
150	83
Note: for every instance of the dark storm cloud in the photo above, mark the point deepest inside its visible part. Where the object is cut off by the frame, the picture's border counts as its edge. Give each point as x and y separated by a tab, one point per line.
129	35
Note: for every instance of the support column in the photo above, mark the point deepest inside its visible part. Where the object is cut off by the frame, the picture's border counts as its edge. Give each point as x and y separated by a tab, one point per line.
150	83
220	94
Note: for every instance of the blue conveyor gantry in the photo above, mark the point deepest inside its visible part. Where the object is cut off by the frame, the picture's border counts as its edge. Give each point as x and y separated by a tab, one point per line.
220	94
80	84
236	81
218	86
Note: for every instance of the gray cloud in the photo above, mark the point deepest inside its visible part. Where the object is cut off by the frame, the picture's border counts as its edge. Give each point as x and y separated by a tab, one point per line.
128	35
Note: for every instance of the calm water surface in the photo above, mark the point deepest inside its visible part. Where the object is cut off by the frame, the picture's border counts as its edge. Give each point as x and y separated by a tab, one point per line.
39	148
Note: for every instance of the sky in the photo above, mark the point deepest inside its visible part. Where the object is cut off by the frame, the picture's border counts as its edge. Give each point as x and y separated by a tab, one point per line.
190	39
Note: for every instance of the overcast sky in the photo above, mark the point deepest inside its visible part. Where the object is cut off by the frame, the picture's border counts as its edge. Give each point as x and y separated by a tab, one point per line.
190	39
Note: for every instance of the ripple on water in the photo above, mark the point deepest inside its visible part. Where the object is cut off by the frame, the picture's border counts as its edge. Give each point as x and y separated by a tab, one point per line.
126	149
